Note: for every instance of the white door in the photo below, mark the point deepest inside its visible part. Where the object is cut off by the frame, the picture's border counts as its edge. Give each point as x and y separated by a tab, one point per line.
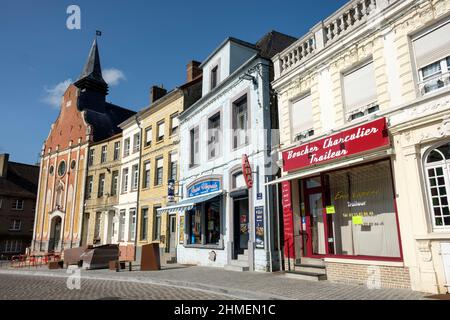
445	250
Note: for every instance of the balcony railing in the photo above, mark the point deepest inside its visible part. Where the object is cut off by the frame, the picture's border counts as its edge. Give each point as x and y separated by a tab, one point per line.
334	28
436	82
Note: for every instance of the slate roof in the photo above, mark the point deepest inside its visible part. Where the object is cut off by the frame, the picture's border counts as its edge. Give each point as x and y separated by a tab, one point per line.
21	181
274	42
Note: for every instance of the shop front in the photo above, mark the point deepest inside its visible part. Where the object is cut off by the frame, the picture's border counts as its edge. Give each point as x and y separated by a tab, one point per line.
339	209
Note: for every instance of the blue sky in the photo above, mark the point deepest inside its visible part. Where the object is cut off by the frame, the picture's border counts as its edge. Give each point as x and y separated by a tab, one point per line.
143	43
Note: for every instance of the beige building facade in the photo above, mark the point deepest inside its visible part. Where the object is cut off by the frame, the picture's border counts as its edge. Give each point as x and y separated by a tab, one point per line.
364	102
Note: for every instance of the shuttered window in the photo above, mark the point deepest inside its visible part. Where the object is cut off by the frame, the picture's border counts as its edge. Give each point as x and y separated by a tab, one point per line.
432	46
360	89
302	116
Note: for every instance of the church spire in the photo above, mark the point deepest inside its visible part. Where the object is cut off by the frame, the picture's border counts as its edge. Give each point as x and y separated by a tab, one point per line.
91	76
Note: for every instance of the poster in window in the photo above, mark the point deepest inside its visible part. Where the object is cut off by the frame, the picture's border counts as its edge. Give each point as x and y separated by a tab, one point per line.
181	228
259	227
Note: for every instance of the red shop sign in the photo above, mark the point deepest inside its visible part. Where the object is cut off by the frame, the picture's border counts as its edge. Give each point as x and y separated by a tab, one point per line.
247	171
369	136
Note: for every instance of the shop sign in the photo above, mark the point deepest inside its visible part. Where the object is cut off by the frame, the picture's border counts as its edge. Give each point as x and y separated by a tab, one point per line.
203	187
247	171
259	227
330	210
369	136
171	191
289	250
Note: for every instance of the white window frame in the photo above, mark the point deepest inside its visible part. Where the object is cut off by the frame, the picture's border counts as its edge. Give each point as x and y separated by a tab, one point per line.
125	175
116	150
15	226
122	224
126	147
157	183
148	136
306	132
135	177
132	224
136	142
15	204
104	155
146	179
174	129
160	133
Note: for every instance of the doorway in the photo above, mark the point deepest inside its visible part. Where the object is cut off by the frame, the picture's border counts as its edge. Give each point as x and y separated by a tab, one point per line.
55	234
85	230
172	233
241	226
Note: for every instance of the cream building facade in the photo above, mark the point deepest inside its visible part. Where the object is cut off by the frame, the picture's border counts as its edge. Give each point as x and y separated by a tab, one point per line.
382	66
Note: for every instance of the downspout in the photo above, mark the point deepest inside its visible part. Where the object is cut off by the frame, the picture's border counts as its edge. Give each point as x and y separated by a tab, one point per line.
38	203
136	118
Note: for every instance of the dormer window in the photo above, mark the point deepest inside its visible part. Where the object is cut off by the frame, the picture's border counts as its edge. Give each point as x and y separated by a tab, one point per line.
214	77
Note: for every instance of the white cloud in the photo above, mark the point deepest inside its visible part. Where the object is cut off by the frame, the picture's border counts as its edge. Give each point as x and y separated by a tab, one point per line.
113	76
55	93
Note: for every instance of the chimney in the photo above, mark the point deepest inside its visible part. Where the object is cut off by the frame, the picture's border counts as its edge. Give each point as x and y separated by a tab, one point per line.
156	93
4	164
193	70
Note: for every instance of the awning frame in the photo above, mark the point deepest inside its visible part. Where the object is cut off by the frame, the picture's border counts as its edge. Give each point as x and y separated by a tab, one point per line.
189	203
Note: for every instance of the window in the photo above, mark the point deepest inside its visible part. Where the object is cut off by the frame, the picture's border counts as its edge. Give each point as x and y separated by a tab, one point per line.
238	180
98	220
125	180
12	246
360	91
161	128
1	203
89	186
116	150
114	182
148	136
16	225
159	171
174	123
214	77
364	222
122	225
173	166
73	164
204	223
432	55
132	231
91	157
17	204
240	123
146	178
144	224
437	168
302	118
126	147
136	142
103	156
62	168
194	147
214	136
156	224
135	177
101	185
52	169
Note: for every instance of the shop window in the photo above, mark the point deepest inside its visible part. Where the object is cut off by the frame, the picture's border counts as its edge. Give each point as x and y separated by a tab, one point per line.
204	223
301	118
437	169
240	123
361	215
432	56
360	91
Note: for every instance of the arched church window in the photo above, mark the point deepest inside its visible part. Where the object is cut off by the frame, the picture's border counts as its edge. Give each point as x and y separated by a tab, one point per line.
437	169
62	168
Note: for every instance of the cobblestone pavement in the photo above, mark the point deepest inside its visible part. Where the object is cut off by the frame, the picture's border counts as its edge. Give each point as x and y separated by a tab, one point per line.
24	287
243	285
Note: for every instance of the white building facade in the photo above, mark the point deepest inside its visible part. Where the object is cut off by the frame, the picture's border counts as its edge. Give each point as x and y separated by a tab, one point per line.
223	222
364	104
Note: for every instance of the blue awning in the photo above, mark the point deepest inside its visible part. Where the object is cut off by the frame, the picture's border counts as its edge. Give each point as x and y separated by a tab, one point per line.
189	203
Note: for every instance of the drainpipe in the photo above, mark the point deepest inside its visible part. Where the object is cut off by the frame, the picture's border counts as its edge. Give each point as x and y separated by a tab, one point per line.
136	118
268	224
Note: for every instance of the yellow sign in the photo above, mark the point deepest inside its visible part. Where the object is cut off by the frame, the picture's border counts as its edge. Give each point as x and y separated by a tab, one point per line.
357	220
331	210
